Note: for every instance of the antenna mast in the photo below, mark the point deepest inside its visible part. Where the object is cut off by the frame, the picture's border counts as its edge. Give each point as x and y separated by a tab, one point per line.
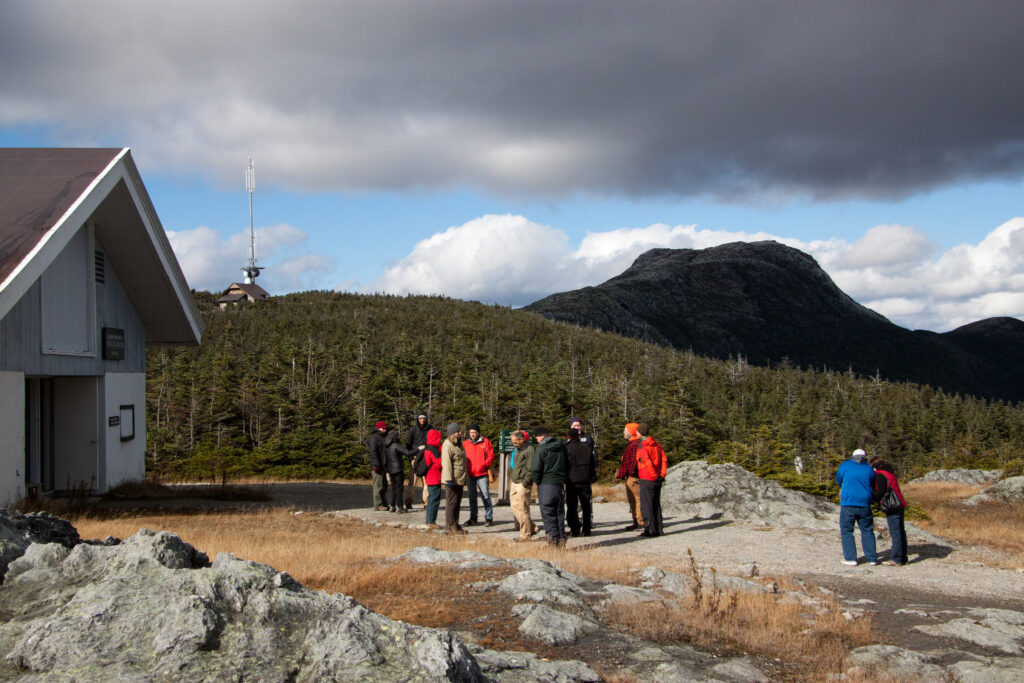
251	271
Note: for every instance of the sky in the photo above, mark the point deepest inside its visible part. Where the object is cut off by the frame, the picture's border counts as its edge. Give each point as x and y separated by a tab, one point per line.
504	151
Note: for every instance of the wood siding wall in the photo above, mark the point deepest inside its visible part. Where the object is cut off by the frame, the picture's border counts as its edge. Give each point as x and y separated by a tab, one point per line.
21	329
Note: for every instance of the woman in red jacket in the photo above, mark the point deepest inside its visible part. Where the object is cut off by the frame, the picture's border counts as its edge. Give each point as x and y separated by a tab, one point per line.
652	465
885	479
432	456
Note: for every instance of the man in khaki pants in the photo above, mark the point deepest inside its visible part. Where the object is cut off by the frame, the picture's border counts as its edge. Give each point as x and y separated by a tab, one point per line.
521	485
628	471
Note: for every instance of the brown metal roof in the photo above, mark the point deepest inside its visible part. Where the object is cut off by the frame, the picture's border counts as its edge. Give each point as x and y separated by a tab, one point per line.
37	186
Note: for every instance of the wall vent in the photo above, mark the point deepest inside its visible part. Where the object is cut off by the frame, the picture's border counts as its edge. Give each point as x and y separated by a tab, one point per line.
100	269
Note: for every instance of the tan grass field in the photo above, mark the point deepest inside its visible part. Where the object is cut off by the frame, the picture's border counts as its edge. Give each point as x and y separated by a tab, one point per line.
999	526
343	555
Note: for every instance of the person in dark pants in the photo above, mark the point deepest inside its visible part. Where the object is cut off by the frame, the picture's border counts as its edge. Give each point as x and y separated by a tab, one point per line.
652	465
453	475
416	439
432	479
395	455
885	479
582	473
550	471
856	482
376	444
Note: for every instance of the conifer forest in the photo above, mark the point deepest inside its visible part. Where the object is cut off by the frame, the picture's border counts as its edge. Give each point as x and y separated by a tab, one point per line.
291	388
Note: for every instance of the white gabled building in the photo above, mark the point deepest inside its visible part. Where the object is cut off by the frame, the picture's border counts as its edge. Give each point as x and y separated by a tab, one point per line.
88	280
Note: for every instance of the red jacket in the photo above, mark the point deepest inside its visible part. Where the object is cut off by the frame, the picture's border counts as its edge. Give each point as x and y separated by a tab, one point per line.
479	456
650	460
432	454
887	480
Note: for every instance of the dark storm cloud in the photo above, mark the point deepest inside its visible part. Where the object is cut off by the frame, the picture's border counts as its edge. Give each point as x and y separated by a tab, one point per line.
736	99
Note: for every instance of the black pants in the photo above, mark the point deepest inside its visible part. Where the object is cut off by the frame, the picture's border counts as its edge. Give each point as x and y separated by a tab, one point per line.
578	494
452	503
552	510
650	506
395	489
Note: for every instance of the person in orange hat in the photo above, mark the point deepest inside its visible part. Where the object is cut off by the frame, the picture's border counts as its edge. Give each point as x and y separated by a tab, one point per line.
628	472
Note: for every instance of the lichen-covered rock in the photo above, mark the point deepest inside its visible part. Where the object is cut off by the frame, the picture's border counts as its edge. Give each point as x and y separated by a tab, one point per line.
551	626
698	489
996	629
153	608
960	475
18	531
1009	490
896	661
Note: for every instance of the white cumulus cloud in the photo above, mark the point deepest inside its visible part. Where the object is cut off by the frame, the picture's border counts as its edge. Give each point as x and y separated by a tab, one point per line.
211	262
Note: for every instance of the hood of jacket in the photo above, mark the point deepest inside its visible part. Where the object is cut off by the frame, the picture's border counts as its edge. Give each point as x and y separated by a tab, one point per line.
434	438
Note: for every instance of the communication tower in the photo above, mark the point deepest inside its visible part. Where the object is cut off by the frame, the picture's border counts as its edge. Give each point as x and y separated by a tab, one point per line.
251	270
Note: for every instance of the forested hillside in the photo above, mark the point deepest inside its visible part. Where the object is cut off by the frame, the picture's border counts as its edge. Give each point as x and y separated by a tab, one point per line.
292	387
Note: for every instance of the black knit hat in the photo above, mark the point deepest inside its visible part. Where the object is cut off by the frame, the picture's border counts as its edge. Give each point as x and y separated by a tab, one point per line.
474	427
540	431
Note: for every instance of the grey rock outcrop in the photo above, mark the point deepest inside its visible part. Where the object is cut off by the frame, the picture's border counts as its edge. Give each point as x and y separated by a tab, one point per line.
551	626
996	629
697	489
153	608
960	476
18	531
1009	490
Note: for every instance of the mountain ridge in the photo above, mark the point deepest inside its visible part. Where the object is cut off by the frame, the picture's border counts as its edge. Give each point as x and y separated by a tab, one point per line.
768	302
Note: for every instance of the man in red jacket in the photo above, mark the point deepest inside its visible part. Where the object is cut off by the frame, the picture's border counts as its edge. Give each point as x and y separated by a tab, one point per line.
652	465
479	456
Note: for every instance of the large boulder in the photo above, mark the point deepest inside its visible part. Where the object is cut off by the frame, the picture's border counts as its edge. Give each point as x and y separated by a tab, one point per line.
960	476
153	608
1009	490
698	489
18	531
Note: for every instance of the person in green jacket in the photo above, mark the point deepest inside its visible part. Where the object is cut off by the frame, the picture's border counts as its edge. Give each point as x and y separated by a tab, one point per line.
521	487
549	471
453	476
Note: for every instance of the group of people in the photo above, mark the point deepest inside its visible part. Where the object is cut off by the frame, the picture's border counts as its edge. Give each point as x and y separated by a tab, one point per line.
563	471
864	481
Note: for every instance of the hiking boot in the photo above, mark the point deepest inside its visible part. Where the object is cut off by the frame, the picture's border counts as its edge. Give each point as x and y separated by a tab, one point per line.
457	530
402	511
408	507
393	509
471	522
574	534
632	527
489	522
382	508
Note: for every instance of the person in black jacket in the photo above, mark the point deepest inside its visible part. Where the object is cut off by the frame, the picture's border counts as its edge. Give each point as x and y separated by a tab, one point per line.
550	470
376	446
416	440
582	473
395	456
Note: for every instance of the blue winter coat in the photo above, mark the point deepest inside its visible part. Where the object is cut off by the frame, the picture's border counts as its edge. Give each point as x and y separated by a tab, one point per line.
857	483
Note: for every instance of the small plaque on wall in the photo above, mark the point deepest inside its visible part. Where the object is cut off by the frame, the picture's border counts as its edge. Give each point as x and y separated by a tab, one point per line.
113	420
113	343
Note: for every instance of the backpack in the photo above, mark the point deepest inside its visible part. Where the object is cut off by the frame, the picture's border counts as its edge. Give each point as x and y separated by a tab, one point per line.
890	502
419	464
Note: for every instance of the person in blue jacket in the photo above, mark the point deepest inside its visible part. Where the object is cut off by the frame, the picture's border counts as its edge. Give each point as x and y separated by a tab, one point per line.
856	479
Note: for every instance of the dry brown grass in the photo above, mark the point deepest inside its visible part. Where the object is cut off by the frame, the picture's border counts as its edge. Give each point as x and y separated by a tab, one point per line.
613	493
814	644
999	526
348	556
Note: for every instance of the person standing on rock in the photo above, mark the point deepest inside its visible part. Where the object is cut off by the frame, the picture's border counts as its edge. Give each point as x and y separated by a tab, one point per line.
479	457
550	471
432	479
453	474
416	440
627	472
582	473
521	487
395	455
376	444
856	481
652	466
885	479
